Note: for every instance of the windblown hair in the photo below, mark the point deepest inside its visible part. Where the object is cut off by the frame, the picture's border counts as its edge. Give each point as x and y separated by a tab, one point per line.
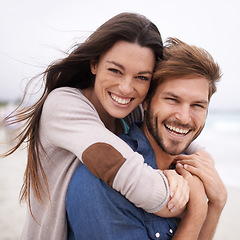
74	71
181	60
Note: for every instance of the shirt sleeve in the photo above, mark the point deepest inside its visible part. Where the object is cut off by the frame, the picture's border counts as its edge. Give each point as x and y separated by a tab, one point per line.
70	121
193	148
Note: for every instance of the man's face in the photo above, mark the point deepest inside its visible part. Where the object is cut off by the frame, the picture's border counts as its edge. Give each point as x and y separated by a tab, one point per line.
177	113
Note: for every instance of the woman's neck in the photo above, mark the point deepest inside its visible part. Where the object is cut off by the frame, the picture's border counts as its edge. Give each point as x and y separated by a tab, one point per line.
112	124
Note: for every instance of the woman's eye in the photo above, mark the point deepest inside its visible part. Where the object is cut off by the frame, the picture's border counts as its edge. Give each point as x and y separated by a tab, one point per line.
143	78
115	70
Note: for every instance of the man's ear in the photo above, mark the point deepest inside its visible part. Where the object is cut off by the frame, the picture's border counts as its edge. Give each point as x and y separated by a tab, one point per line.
93	66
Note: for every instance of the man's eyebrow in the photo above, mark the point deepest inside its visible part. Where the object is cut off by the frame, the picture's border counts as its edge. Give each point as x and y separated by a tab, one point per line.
123	68
203	102
171	94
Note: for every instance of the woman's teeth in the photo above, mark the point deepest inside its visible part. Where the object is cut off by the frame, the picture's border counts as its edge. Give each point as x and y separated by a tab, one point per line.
120	100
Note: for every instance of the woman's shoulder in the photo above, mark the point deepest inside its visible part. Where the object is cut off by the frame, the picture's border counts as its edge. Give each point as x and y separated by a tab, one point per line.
64	92
65	95
67	99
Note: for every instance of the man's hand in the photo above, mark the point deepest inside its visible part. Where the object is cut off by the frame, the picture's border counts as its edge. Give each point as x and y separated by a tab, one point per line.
201	164
195	215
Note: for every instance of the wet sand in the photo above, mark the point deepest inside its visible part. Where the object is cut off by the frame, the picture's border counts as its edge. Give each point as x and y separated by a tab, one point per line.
12	214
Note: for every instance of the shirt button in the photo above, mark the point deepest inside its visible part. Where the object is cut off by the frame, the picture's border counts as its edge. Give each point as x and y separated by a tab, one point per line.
170	230
157	235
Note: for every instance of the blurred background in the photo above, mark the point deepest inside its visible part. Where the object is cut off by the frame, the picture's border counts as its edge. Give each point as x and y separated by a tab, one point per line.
35	33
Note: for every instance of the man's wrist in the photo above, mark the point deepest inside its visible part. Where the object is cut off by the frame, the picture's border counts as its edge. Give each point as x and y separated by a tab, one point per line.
217	206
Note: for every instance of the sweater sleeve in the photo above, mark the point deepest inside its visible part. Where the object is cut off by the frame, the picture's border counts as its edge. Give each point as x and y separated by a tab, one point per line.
70	122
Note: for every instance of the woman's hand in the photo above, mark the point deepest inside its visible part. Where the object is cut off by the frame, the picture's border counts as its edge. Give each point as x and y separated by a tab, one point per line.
201	164
178	197
179	190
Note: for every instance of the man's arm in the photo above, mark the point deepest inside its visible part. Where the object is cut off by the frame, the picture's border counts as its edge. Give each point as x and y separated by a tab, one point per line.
201	164
209	227
192	222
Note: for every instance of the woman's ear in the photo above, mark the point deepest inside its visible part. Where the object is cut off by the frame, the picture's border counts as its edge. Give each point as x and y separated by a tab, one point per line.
145	104
93	66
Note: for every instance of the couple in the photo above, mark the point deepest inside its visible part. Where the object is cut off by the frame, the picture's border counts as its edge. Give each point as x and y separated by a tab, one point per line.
175	112
78	119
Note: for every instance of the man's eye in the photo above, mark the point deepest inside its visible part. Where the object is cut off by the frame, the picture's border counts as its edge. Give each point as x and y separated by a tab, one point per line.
199	106
171	99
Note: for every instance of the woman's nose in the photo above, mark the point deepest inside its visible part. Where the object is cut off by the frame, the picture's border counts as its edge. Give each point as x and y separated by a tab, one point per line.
126	86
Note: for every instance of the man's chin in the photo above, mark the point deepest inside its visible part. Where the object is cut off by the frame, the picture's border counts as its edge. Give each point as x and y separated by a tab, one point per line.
173	151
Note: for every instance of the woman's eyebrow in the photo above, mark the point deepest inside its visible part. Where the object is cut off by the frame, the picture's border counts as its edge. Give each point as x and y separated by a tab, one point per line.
123	68
117	64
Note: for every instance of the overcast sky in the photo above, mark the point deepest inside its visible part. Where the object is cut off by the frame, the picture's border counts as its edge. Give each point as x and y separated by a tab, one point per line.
34	32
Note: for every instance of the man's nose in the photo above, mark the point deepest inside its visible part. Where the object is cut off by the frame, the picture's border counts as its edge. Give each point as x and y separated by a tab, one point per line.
183	114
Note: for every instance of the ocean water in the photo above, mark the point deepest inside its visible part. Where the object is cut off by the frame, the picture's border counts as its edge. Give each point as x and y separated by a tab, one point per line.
221	137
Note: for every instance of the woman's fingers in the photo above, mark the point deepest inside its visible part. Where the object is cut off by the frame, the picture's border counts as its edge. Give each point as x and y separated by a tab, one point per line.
179	189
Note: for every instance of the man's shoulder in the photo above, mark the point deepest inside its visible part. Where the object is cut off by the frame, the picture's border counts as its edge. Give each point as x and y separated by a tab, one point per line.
134	136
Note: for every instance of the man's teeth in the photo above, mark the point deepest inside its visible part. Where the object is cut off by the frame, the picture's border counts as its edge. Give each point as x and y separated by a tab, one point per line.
120	100
177	130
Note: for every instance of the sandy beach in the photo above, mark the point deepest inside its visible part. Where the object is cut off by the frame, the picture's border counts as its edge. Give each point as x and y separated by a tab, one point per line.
12	214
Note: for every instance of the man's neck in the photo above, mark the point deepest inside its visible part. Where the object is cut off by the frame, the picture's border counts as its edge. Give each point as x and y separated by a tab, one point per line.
163	159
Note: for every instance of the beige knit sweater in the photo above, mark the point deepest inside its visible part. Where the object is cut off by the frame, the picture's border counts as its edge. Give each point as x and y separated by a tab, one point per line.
69	127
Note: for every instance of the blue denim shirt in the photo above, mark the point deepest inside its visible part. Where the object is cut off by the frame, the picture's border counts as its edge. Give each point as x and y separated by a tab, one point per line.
96	211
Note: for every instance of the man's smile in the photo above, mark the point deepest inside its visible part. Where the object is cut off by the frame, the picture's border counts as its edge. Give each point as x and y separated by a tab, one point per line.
177	130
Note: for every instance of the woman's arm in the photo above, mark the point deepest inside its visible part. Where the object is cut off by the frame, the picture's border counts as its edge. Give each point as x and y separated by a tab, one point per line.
69	121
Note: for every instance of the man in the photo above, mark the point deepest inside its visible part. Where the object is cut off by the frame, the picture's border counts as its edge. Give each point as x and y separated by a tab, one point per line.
175	112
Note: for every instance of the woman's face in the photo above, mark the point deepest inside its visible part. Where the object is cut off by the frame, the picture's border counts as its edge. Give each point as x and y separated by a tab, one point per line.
123	76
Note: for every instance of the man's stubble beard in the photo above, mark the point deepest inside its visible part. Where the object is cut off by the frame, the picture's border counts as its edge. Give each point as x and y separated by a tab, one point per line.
152	126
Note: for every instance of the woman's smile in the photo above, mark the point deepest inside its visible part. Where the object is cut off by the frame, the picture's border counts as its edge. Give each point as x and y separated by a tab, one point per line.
119	99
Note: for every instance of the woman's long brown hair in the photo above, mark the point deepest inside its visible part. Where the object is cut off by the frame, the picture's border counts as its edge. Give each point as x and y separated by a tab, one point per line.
74	71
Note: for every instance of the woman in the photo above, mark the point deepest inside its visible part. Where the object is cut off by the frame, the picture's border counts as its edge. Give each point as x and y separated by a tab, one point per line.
76	119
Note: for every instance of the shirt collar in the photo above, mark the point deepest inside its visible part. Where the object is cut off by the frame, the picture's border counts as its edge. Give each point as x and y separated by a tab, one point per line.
142	144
